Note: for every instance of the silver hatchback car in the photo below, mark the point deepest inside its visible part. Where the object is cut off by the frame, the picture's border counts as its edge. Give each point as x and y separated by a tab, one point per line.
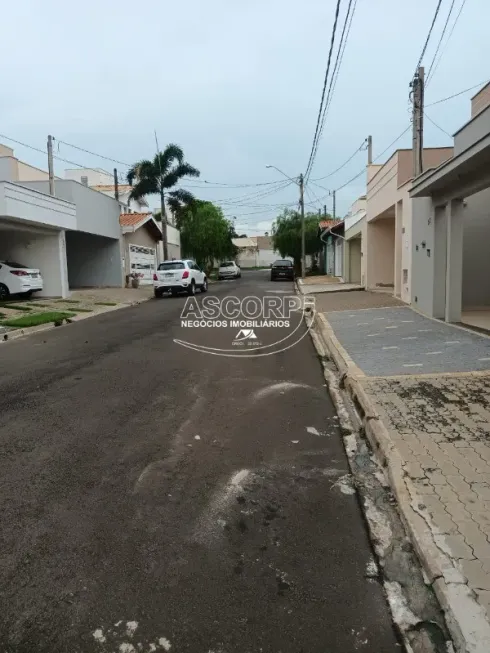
229	270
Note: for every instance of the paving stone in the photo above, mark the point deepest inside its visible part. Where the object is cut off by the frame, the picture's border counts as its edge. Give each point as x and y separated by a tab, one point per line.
474	572
459	547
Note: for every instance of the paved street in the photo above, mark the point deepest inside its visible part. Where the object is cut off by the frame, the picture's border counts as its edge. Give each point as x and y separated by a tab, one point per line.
154	498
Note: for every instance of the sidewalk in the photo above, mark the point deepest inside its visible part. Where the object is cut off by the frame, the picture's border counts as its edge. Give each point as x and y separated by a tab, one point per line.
423	389
324	283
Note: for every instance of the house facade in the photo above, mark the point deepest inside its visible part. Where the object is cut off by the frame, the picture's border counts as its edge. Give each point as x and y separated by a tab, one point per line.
354	232
103	181
451	227
254	252
387	246
73	236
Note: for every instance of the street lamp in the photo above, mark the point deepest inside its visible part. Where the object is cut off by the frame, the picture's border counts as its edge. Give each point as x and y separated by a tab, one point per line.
300	183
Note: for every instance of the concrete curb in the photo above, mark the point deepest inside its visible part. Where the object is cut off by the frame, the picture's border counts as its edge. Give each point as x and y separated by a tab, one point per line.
465	617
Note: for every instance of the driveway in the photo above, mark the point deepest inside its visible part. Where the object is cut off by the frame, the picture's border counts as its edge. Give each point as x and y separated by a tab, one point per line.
155	498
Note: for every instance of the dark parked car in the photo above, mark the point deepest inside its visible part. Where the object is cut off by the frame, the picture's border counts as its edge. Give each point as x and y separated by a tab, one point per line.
282	269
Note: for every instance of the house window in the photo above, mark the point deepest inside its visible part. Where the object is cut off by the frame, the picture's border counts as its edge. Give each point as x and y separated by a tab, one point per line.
84	180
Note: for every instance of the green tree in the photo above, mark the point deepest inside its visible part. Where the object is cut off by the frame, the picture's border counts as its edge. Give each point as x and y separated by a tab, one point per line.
205	234
159	177
286	235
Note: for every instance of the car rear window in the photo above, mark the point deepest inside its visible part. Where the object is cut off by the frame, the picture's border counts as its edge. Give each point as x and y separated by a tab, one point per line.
14	265
226	264
172	265
284	263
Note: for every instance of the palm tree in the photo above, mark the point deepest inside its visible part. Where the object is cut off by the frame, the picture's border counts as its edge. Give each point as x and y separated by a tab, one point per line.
159	176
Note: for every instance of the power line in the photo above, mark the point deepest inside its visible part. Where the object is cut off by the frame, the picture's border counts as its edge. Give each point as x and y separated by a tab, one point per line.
330	174
449	37
338	63
440	41
428	35
450	97
332	40
436	125
333	79
363	171
101	156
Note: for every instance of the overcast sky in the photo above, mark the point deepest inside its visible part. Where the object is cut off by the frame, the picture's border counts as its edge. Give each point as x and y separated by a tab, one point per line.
237	85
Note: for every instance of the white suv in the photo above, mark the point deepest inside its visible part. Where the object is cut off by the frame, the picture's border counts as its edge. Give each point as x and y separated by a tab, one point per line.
229	270
18	279
183	275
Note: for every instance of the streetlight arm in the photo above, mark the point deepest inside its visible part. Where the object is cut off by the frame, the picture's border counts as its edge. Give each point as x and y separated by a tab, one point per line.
283	174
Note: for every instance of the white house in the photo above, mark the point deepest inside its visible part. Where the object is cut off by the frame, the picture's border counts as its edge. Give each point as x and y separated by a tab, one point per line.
73	236
255	252
103	181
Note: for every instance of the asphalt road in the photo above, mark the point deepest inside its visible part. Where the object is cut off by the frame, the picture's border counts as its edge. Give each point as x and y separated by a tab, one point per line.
156	498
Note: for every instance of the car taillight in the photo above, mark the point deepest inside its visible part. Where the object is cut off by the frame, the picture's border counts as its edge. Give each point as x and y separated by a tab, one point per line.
155	278
185	274
19	273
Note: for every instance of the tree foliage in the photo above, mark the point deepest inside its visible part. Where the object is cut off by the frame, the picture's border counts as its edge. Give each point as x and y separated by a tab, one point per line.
161	175
205	234
286	235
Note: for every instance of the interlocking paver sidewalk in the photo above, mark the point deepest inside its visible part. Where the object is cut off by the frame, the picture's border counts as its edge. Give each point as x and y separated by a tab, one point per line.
441	427
428	384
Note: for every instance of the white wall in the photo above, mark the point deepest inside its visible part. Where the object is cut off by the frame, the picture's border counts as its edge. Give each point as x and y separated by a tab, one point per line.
33	206
95	177
96	213
422	286
266	257
45	251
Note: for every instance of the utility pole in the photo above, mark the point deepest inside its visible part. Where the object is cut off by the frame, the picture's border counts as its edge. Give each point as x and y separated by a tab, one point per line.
325	210
50	165
370	149
116	185
418	121
333	205
302	206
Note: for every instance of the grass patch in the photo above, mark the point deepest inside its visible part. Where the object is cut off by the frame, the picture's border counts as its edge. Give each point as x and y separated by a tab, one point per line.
105	303
36	319
83	310
68	301
16	307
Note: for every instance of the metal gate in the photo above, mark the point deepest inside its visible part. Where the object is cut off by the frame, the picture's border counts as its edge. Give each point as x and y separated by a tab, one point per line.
142	261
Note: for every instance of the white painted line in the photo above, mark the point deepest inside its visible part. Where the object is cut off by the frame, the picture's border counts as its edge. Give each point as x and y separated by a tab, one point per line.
391	327
484	359
452	342
408	321
378	318
372	335
392	347
410	338
414	365
362	323
434	353
425	330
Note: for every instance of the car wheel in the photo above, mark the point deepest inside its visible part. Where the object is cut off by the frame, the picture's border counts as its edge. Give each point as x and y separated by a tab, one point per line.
191	290
204	286
4	292
158	293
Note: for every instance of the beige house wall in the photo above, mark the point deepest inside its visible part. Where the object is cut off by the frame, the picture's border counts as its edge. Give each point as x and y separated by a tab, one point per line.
380	253
481	100
381	190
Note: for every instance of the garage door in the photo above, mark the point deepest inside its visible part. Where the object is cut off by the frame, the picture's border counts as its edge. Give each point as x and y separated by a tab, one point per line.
142	261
